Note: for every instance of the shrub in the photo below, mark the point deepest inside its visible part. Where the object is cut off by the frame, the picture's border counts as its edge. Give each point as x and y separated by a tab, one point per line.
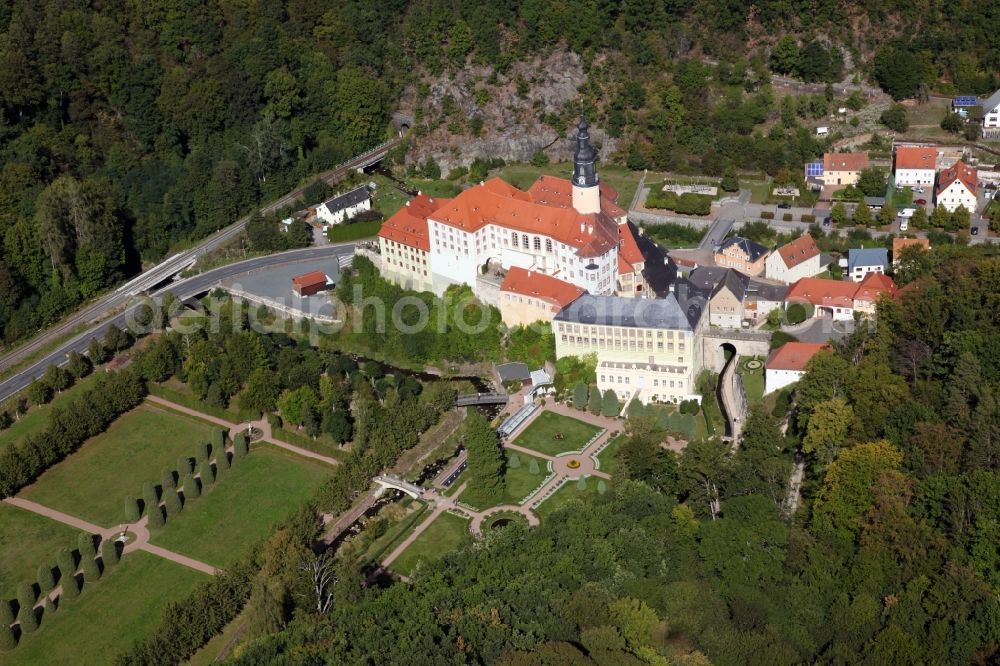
795	314
809	218
533	466
155	515
109	552
7	640
132	512
70	587
85	544
602	487
184	466
580	396
539	159
150	498
222	461
581	483
191	488
781	404
46	578
6	612
207	474
28	620
766	215
787	217
172	502
91	570
167	479
26	595
66	563
201	452
218	440
778	338
514	461
610	406
240	446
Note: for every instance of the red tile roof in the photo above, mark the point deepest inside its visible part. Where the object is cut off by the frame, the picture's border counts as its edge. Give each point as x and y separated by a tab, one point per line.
899	243
960	172
823	292
799	250
794	355
558	193
545	287
497	202
845	161
309	279
629	253
916	157
873	286
409	224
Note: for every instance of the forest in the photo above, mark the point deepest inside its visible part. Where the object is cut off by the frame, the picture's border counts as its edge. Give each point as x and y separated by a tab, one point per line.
129	129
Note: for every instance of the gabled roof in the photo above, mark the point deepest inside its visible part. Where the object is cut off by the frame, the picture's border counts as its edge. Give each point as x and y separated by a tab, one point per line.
869	256
308	279
845	162
705	278
990	103
754	251
873	286
408	225
765	291
794	355
820	291
629	248
558	193
663	313
960	172
801	249
538	285
735	282
899	243
916	157
497	202
347	199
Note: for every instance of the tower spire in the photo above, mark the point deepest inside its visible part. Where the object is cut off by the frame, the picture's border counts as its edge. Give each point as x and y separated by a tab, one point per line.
584	158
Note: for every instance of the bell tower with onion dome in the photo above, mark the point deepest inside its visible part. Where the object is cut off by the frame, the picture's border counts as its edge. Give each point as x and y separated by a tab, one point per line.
586	187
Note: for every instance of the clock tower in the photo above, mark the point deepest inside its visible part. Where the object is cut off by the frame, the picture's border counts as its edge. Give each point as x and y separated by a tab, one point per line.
586	189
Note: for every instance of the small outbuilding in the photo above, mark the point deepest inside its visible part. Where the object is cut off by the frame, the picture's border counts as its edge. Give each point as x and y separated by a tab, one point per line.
310	283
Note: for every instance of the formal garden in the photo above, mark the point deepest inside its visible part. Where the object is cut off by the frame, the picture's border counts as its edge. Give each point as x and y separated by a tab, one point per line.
524	474
446	533
751	371
552	434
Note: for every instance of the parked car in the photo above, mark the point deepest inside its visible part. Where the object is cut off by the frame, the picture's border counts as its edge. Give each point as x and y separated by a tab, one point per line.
920	202
919	190
784	205
904	225
975	231
826	221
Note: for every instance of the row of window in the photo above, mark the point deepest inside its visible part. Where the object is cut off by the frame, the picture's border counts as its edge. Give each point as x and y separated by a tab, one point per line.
611	379
615	331
621	345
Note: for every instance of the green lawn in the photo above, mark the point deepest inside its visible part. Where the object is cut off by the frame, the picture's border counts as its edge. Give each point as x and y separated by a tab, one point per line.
569	492
123	607
608	459
902	198
93	482
753	380
241	508
387	198
541	434
620	178
38	417
445	534
520	482
26	541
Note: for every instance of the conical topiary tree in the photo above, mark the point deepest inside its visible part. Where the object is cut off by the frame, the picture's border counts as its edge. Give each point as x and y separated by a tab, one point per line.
150	498
594	403
85	544
581	483
28	620
580	396
240	446
514	461
70	587
207	474
201	452
184	466
7	640
50	608
222	461
218	441
172	503
66	563
533	466
167	479
132	512
26	595
109	552
191	488
6	612
91	570
610	406
46	578
155	514
602	487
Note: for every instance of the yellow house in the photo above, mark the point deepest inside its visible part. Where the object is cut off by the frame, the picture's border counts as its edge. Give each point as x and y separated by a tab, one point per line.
528	296
404	244
844	168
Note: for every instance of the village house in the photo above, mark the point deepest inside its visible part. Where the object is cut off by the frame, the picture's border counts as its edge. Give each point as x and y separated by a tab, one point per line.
725	306
957	186
787	364
840	299
862	261
344	206
990	109
915	165
794	261
527	297
404	244
646	348
742	254
898	244
843	168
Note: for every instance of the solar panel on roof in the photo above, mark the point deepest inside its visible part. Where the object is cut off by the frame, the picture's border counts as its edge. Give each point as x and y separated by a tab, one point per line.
965	100
814	169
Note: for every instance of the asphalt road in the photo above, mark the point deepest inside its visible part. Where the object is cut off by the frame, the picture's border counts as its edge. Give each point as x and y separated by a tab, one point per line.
113	301
182	289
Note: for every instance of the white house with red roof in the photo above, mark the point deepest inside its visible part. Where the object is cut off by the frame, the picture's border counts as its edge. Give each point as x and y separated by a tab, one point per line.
404	244
794	261
787	364
840	299
843	168
958	186
915	165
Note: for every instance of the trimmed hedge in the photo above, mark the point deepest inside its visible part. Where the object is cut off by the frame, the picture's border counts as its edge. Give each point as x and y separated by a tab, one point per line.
809	217
307	443
348	232
787	217
766	215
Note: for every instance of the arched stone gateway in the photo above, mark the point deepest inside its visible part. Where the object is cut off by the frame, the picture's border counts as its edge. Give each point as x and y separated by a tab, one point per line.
715	344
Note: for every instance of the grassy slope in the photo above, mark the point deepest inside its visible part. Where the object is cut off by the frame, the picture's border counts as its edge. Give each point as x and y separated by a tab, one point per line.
446	533
540	435
26	541
240	509
93	482
608	459
121	608
37	417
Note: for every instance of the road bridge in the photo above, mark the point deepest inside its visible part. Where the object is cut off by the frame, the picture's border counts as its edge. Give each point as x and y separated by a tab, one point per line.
471	399
386	481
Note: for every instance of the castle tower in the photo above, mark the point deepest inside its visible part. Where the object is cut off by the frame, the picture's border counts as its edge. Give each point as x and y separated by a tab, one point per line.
586	189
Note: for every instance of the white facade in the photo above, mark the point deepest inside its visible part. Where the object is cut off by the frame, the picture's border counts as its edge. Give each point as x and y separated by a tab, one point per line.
915	176
955	195
776	269
458	256
655	383
991	118
775	380
331	217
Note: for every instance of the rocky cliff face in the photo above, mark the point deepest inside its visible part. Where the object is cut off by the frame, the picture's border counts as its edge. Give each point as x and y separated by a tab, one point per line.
511	115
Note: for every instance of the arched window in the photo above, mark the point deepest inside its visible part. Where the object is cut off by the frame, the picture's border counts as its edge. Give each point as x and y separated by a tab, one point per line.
513	238
548	245
538	243
524	238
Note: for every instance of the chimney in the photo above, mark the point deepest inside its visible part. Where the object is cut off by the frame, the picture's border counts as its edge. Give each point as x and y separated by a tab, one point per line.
407	203
419	193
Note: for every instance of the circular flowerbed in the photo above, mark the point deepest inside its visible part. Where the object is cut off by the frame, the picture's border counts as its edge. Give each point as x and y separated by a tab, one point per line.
573	464
505	518
753	364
